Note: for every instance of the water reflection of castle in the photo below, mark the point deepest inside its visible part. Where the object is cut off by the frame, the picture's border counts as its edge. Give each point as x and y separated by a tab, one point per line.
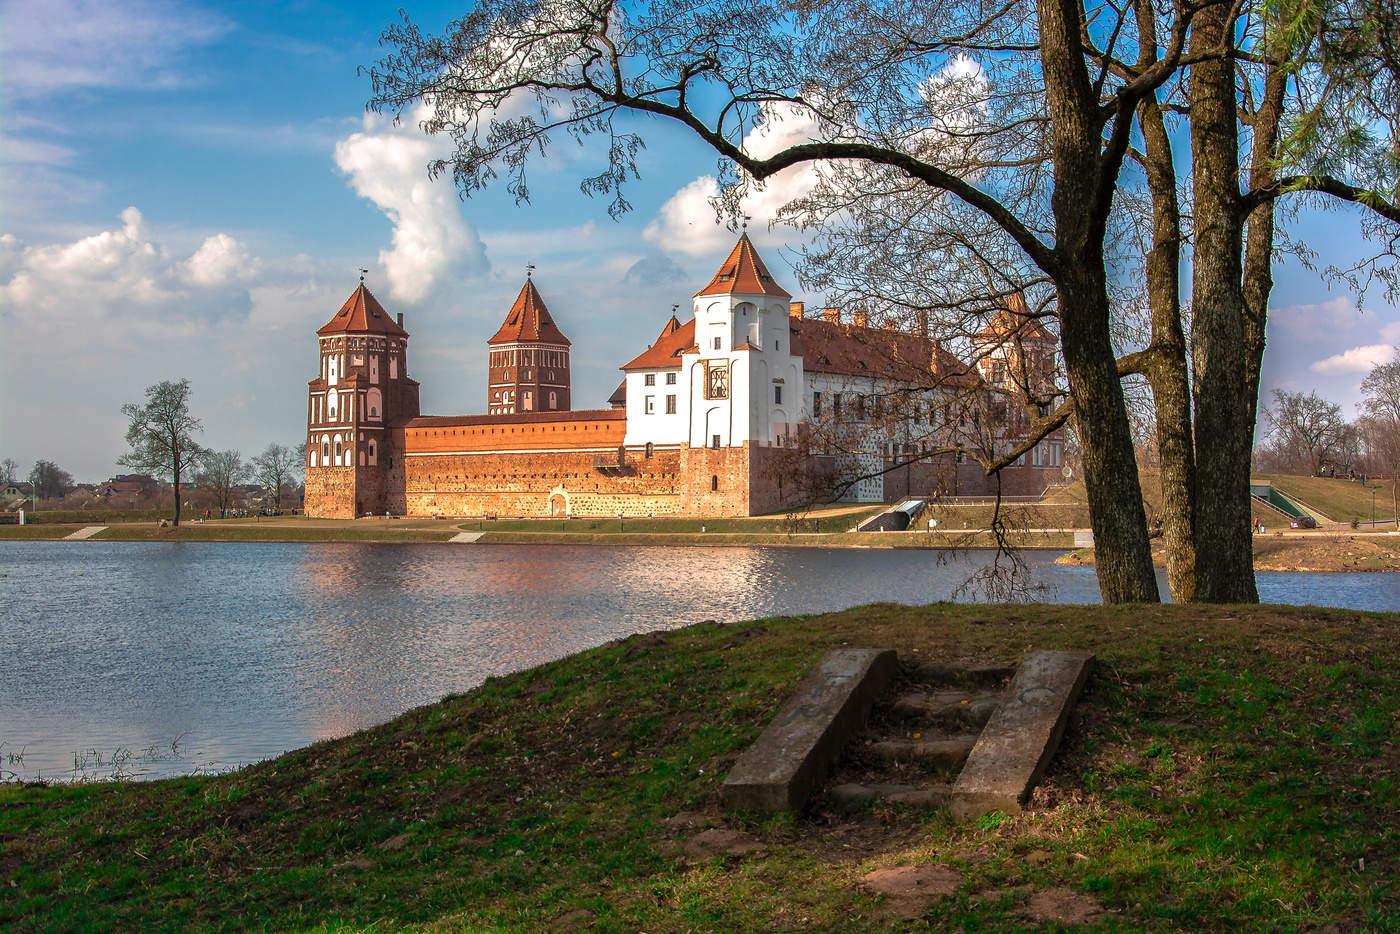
746	408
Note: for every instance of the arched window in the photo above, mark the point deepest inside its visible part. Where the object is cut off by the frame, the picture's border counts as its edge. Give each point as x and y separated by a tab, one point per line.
650	449
371	454
374	401
553	400
326	452
337	450
714	482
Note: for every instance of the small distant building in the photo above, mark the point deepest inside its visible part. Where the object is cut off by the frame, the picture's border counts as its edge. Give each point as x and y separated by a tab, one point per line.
747	407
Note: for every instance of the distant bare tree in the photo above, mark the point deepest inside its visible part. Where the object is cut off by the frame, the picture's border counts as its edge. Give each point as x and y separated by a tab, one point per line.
1381	389
1307	431
161	435
277	467
50	480
9	471
220	472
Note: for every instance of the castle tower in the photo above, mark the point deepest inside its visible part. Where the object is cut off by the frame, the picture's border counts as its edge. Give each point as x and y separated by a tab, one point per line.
1015	352
362	388
528	369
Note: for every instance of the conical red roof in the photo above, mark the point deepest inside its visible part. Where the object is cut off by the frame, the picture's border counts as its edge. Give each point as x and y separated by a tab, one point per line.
743	273
362	313
674	340
529	320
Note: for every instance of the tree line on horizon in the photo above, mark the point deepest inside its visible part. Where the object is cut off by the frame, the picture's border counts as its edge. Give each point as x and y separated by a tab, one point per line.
163	446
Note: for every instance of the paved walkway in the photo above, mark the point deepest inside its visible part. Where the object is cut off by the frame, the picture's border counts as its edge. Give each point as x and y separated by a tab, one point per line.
465	538
85	532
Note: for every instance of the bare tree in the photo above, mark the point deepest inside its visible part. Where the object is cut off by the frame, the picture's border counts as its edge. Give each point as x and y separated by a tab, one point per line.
50	480
9	470
161	435
1308	430
1381	391
221	472
278	467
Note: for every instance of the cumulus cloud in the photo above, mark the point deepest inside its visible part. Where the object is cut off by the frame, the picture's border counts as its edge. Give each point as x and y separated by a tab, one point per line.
1319	319
122	271
687	222
387	165
219	261
1362	359
56	45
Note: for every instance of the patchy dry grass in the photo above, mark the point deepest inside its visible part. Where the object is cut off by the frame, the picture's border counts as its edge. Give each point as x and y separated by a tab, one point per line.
1227	768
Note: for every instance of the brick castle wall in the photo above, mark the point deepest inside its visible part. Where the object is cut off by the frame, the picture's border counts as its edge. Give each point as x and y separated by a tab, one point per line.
330	492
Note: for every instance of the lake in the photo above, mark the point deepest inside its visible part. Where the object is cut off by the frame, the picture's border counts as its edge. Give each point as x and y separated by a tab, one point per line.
245	650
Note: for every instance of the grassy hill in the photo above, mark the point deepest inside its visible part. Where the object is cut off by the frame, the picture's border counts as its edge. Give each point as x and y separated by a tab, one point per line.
1227	768
1340	500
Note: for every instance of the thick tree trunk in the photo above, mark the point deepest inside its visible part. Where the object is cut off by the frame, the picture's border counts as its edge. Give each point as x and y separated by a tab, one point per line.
175	482
1224	432
1171	387
1122	553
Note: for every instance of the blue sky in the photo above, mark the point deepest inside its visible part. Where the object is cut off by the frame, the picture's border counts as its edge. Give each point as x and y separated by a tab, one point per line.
188	190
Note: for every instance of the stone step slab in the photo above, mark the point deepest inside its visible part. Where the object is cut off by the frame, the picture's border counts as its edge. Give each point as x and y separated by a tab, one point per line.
1020	739
949	709
794	753
946	753
927	796
964	676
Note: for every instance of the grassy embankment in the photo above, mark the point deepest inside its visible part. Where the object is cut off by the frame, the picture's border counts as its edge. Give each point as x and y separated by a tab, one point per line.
1339	500
1227	768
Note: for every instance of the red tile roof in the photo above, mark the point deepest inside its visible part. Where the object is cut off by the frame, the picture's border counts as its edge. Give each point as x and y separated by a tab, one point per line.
743	273
529	320
664	353
879	353
362	313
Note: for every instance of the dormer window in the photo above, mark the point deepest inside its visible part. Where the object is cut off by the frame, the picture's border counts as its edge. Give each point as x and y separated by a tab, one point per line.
724	277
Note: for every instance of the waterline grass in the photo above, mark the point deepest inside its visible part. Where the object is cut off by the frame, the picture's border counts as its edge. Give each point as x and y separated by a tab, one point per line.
1227	767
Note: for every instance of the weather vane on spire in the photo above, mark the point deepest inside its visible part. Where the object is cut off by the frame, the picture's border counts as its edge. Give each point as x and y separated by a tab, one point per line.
745	224
362	275
529	269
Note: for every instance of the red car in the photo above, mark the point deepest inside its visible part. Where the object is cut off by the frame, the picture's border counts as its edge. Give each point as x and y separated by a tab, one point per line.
1303	522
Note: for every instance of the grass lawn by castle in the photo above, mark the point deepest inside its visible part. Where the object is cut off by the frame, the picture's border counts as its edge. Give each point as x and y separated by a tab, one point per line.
1226	768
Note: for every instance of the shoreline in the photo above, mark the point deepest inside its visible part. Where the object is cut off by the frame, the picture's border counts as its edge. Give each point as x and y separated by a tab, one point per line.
1323	551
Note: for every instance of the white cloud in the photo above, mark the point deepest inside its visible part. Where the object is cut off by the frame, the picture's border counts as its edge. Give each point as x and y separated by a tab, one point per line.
125	273
55	45
687	222
1362	359
1321	319
387	164
219	261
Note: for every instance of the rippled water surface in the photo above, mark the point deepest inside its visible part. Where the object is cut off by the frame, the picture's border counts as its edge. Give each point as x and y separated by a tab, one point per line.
246	650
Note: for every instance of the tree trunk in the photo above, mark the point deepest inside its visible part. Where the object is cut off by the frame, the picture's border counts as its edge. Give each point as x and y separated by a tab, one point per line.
1171	387
175	482
1122	553
1224	432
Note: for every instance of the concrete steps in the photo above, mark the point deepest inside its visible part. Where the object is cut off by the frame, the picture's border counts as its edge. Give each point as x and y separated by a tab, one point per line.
918	736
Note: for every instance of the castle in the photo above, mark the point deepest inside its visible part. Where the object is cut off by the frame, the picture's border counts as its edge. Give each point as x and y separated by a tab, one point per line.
749	407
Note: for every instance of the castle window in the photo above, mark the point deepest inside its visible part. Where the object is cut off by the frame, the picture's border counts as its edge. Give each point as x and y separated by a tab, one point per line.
670	379
650	408
671	405
371	454
650	449
553	400
717	340
714	479
326	452
716	381
527	401
337	450
649	379
777	395
714	442
816	405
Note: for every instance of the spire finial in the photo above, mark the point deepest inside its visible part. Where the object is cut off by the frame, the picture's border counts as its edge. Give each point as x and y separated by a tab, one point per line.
745	225
362	275
529	269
